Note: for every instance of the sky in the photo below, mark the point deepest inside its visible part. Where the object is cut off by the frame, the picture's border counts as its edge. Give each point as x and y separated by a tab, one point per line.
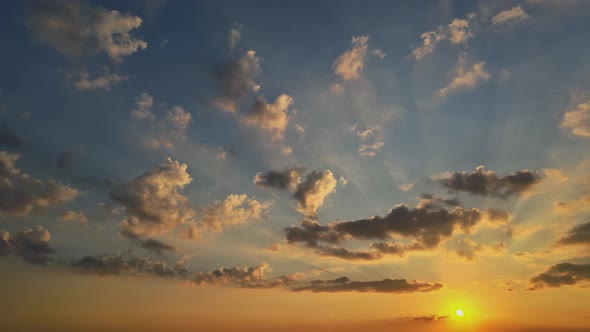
295	165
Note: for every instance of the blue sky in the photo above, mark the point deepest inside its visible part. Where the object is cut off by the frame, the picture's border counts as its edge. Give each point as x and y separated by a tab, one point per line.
384	102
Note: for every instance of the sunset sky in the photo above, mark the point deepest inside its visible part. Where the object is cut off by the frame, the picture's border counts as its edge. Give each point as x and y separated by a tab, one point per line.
295	165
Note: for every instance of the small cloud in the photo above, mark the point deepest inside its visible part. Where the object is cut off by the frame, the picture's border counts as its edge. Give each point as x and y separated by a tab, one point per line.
509	17
286	150
457	32
465	77
406	186
336	88
349	64
71	216
104	81
234	36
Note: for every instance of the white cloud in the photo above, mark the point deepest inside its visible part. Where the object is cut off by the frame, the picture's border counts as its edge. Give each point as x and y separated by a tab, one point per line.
577	121
457	32
349	64
234	210
272	118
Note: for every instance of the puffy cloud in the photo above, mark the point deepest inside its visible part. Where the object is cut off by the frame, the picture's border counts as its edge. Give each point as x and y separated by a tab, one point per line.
311	193
32	245
287	179
457	32
234	210
82	80
272	118
487	183
577	121
166	128
71	216
153	203
511	16
21	194
234	36
234	80
579	234
239	275
349	64
562	274
465	77
75	29
380	286
115	264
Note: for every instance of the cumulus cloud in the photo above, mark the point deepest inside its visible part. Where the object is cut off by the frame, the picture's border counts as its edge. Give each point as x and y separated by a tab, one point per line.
579	234
115	264
76	29
577	121
234	36
562	274
487	183
287	179
235	79
311	193
82	80
72	216
153	202
32	245
509	17
457	32
233	210
165	128
465	77
349	64
272	118
21	194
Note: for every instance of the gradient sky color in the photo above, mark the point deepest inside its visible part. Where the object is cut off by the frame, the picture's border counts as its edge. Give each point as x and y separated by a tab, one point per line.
295	165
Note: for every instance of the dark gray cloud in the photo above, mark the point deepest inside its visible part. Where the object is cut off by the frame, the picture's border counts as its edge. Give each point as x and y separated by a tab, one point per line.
579	234
116	264
10	139
156	246
21	194
287	179
379	286
562	274
239	275
235	79
32	245
487	183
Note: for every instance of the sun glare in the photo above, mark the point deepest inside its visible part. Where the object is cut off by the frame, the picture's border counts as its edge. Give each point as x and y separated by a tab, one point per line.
459	313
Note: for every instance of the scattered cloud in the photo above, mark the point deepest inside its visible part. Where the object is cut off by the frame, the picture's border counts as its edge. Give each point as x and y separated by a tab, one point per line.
465	77
487	183
234	36
76	29
156	246
509	17
235	79
429	318
272	118
574	206
562	274
371	140
115	264
577	121
21	194
72	216
457	32
32	245
153	202
395	286
579	234
225	151
287	179
105	81
350	64
405	187
311	193
233	210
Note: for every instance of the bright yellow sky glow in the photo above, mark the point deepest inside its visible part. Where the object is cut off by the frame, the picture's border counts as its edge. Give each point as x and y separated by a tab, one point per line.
459	312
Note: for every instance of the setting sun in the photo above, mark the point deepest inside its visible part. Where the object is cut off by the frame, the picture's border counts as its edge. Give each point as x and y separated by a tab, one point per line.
459	313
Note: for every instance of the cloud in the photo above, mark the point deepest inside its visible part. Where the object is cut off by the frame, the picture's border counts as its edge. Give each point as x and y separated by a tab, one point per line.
395	286
156	246
272	118
405	187
430	318
457	32
311	193
577	121
76	29
579	234
164	129
82	80
239	275
509	17
234	36
562	274
287	179
225	151
32	245
234	210
573	206
487	183
286	150
71	216
115	264
370	150
21	194
349	64
10	139
234	80
371	138
465	77
336	88
153	203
